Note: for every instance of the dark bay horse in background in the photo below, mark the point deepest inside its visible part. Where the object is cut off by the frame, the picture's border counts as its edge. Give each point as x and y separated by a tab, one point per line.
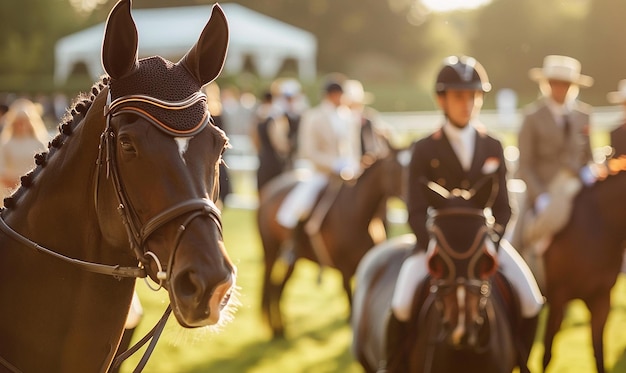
126	190
463	313
584	259
345	229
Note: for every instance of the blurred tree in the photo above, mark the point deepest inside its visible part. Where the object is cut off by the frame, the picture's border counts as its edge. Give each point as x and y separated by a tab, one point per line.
28	31
375	41
513	36
605	53
352	30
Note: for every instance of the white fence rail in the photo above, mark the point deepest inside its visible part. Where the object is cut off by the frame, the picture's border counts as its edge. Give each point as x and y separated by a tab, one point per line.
602	118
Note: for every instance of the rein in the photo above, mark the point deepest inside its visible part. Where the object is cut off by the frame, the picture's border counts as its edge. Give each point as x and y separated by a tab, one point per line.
111	270
433	300
137	233
483	287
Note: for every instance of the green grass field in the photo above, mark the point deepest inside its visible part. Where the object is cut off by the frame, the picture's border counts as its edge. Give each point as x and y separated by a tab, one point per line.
318	335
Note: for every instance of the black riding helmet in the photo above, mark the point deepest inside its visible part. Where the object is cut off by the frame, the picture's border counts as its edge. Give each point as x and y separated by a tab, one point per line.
462	73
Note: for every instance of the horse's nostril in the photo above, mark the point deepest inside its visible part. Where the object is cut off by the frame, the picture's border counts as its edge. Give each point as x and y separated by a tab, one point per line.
187	284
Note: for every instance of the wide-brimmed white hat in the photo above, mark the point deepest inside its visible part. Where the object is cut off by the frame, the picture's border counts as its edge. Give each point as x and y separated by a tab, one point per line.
619	96
562	68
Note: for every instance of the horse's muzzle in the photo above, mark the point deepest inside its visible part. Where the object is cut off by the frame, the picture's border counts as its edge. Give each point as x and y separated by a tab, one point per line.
194	304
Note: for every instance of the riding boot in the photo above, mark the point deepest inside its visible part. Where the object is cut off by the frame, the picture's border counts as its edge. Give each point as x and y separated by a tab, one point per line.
394	345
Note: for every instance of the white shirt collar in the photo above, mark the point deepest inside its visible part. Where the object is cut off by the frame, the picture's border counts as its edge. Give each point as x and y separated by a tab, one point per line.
455	133
462	141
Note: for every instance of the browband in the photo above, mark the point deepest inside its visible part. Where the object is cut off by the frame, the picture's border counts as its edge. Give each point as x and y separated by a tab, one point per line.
121	106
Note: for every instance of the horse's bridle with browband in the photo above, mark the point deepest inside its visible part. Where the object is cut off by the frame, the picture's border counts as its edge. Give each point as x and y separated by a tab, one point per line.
438	287
446	253
137	232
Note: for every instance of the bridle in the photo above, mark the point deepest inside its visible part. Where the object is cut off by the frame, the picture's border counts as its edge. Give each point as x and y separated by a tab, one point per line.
440	287
443	248
138	233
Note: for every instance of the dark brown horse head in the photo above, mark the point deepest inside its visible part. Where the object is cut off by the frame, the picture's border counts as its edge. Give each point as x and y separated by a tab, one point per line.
462	259
160	155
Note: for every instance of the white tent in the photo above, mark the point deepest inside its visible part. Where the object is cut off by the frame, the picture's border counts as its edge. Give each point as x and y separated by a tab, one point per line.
170	32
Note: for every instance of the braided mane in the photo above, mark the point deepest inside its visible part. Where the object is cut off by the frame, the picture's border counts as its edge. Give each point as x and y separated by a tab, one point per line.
73	116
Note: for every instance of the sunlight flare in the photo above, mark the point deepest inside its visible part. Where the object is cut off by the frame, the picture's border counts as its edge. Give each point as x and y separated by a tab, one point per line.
452	5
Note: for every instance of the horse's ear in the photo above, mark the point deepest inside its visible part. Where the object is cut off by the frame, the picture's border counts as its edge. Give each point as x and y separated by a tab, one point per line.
119	48
206	58
485	191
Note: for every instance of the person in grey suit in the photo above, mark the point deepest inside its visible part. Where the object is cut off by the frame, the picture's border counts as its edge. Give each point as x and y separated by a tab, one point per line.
554	148
618	134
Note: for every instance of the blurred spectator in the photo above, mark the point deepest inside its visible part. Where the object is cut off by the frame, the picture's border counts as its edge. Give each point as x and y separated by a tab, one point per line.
3	110
618	135
266	107
60	105
23	135
270	137
47	109
237	110
374	133
292	104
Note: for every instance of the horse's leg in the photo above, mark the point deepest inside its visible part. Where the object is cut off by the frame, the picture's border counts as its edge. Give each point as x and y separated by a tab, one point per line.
278	268
278	286
347	287
555	317
269	290
265	292
599	307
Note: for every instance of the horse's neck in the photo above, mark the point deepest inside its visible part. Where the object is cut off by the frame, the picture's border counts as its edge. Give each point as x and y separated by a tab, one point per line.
366	195
54	300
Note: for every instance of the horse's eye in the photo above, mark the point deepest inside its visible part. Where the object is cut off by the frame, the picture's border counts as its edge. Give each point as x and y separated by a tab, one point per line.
126	145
